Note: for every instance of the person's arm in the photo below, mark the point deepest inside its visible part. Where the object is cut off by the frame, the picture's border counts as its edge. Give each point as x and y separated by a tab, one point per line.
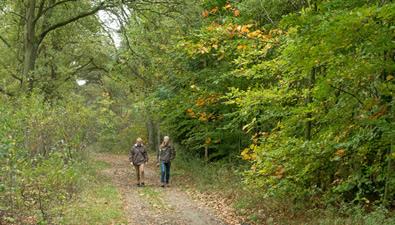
131	156
173	153
145	156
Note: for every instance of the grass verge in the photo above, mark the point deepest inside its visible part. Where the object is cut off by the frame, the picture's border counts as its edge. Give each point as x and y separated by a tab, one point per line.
98	203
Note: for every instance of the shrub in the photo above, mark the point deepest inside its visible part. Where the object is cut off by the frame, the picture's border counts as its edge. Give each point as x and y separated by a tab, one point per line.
39	153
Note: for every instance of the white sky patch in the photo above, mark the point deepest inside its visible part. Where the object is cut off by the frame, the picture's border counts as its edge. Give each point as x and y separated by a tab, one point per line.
112	25
81	82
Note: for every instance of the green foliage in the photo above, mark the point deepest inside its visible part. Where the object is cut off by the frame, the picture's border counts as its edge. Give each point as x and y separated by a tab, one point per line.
358	216
303	90
189	170
118	123
41	146
216	180
326	137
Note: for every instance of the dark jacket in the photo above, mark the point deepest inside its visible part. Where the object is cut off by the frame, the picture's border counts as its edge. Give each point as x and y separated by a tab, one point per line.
138	155
166	153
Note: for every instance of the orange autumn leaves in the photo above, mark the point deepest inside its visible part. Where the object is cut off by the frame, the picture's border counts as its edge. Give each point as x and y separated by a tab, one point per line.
340	152
200	112
205	101
247	32
228	8
201	116
244	31
221	40
202	102
243	37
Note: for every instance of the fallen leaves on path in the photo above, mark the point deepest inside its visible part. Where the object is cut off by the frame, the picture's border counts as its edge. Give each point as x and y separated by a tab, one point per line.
223	207
155	205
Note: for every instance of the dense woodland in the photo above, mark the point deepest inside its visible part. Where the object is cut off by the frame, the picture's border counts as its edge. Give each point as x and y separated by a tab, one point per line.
294	97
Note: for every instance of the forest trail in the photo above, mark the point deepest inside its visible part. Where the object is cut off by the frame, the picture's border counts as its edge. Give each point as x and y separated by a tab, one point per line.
153	204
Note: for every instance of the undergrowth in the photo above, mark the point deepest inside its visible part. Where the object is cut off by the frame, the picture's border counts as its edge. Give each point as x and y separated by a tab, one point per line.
224	179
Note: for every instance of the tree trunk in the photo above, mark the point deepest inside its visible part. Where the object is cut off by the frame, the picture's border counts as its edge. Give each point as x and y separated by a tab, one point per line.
158	139
153	134
30	43
150	131
309	100
206	153
388	100
33	38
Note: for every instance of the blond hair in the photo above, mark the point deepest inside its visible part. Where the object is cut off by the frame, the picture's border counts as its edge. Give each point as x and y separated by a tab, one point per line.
166	141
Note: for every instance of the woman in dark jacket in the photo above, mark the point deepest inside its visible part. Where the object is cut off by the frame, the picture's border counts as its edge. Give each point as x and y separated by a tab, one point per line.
138	157
165	155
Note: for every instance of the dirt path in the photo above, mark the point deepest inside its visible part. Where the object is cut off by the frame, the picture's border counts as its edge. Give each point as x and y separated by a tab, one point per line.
153	204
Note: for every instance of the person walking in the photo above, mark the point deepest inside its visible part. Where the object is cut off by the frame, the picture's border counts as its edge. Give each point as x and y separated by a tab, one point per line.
165	155
138	157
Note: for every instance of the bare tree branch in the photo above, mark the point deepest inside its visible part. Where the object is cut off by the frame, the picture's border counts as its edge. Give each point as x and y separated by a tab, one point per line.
40	9
13	75
5	41
6	92
70	20
13	13
137	74
107	30
44	11
349	93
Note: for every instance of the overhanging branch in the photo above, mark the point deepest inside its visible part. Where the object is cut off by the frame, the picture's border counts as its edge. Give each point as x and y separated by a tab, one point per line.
44	11
70	20
5	41
347	92
6	92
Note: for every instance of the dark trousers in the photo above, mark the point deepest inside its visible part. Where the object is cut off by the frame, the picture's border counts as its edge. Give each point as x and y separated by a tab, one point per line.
164	172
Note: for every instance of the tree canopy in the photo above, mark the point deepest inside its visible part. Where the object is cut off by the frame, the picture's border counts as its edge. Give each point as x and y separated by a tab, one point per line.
297	94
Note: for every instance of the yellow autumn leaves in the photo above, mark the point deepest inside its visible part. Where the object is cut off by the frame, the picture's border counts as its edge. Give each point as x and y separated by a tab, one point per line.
249	153
216	35
248	31
228	7
216	42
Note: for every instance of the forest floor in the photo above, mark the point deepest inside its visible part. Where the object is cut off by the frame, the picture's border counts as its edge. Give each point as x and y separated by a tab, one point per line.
156	205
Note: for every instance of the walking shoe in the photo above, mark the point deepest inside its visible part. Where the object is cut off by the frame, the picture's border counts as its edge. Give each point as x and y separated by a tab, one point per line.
162	185
142	184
